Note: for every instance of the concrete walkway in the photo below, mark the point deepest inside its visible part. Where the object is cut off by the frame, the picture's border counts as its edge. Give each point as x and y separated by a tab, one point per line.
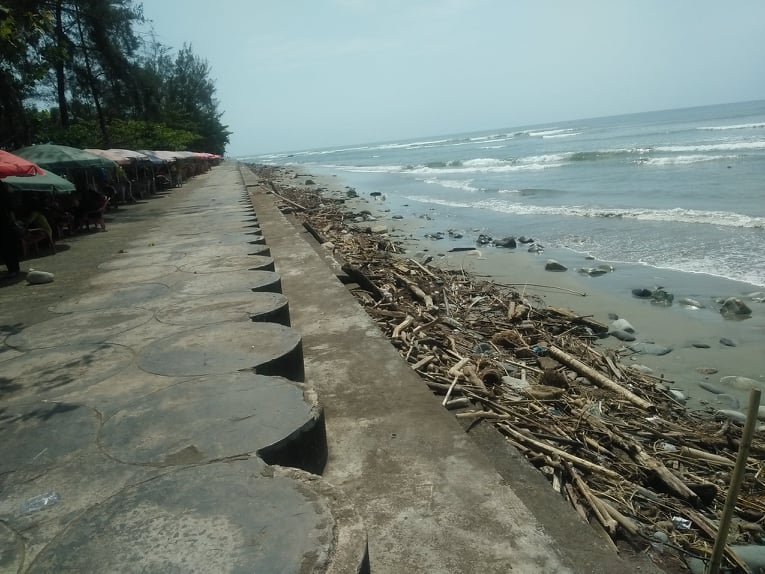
197	392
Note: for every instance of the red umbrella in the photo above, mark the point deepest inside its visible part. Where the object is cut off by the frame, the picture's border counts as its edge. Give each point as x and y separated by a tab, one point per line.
13	165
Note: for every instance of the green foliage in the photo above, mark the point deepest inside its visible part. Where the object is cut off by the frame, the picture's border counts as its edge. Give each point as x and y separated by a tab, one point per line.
76	72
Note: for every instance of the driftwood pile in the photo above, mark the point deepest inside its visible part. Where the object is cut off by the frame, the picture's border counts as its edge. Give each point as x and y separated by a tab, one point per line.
612	440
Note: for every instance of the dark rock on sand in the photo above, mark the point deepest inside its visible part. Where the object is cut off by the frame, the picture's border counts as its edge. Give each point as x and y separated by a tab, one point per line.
622	335
484	239
688	302
592	271
622	325
649	348
524	239
553	265
375	194
712	388
508	242
642	293
733	306
706	370
661	297
727	342
536	248
310	182
700	345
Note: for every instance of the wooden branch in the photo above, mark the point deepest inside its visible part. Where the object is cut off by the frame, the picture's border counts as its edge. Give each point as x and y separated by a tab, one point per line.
591	466
364	282
598	378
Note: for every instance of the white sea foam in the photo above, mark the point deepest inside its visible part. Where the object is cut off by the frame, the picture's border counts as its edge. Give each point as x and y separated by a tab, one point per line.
734	127
462	185
566	135
682	159
727	146
548	133
678	215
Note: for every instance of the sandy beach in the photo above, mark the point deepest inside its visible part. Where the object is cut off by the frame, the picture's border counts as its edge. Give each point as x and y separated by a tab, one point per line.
692	334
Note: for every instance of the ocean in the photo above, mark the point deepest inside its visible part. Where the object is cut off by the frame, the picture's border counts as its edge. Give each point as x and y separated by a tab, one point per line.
680	190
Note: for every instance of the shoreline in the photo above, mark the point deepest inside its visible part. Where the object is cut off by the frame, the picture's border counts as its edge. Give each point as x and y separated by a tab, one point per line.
678	327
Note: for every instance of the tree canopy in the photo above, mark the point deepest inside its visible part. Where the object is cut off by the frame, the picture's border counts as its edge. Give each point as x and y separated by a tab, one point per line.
79	73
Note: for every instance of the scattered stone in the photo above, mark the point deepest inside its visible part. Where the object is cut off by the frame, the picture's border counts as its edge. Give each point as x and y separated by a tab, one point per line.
706	370
328	245
592	271
590	258
623	325
376	194
661	297
508	242
700	345
397	217
524	239
642	293
742	383
649	348
692	303
436	235
376	229
711	388
622	335
454	234
727	342
35	277
678	395
553	265
536	248
731	415
735	307
484	239
310	182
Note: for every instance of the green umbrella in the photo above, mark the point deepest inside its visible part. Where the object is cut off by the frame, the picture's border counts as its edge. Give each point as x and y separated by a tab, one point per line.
61	157
48	181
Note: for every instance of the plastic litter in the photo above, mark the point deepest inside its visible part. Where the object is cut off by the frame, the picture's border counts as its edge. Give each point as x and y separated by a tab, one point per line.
39	502
681	523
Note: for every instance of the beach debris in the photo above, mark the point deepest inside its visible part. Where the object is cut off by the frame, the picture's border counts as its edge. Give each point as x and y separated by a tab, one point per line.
629	456
553	265
484	239
733	306
691	303
642	293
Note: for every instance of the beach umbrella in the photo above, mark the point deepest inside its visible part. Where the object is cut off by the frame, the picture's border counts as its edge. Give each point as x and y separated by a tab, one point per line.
45	181
121	156
61	157
13	165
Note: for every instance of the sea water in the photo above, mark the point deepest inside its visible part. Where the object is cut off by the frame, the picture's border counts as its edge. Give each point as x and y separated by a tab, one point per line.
680	190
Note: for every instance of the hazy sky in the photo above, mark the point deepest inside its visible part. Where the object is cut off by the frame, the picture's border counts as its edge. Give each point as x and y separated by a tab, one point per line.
300	74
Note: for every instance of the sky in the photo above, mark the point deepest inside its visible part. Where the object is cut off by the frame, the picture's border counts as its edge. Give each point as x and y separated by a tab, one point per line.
303	74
